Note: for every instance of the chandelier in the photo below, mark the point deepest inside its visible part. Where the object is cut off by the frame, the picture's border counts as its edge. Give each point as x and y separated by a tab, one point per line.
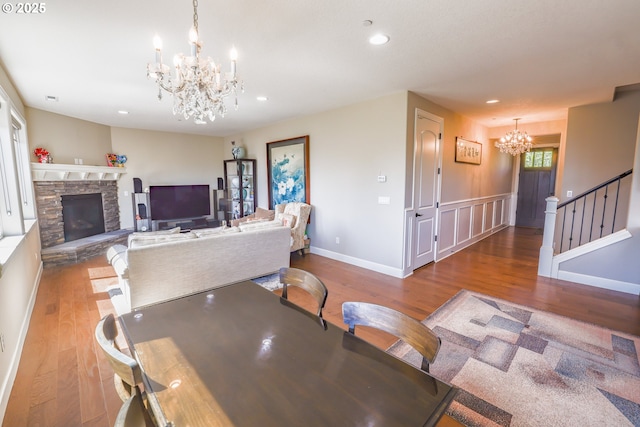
198	87
515	142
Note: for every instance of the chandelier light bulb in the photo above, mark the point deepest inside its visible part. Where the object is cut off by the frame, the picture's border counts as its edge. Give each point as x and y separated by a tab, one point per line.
233	54
193	35
157	42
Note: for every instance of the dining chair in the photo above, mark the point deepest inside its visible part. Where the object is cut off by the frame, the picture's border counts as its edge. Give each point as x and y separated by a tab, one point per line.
307	281
127	373
408	329
134	414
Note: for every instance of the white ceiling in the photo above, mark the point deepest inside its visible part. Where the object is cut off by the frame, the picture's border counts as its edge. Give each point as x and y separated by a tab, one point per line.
538	57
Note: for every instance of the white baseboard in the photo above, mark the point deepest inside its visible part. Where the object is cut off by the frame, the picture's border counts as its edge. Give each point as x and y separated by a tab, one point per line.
600	282
5	389
380	268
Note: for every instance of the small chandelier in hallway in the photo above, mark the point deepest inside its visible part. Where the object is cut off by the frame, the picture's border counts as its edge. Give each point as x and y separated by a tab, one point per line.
515	142
199	86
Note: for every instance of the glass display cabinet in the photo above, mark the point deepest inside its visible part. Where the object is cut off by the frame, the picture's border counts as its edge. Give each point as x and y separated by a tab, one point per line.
240	195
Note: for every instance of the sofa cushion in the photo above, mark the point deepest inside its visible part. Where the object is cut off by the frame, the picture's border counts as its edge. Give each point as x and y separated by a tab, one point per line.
174	230
206	232
138	241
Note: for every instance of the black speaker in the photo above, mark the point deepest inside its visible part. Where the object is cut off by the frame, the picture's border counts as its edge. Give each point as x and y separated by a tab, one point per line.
142	210
137	185
220	184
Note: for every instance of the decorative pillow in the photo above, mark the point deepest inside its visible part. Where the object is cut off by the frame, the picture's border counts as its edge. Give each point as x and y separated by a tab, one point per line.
237	222
287	219
205	232
265	214
138	241
254	225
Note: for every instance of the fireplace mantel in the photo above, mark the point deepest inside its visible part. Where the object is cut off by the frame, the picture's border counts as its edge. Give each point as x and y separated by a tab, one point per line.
58	172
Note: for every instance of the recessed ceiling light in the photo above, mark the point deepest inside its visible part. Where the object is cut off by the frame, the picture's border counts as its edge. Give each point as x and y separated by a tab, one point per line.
493	101
379	39
123	112
51	98
262	98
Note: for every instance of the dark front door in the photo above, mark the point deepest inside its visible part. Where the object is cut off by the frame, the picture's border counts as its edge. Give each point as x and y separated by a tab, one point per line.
537	182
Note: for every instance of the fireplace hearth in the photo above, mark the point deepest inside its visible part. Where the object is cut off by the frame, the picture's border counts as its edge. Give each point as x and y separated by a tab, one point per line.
66	240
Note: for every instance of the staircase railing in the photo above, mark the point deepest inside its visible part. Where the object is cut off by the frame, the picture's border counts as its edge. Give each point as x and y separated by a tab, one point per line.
590	214
582	219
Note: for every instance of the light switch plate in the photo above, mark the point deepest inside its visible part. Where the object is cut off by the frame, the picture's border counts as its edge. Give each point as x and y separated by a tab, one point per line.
384	200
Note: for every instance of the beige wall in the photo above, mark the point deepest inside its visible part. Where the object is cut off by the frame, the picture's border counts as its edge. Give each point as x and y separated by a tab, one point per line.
349	148
603	140
600	142
68	138
164	158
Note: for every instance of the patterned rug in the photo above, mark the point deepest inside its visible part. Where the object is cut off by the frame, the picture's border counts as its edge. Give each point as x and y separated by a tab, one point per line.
270	282
517	366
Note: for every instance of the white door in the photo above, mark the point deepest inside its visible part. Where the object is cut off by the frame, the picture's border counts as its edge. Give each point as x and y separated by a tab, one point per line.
426	186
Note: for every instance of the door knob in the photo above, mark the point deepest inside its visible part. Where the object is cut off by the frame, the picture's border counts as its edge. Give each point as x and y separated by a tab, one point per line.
417	214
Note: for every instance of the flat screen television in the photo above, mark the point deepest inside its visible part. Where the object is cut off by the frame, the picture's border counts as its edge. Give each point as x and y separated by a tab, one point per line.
171	202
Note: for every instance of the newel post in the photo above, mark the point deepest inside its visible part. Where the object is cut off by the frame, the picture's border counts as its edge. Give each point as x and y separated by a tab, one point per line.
546	250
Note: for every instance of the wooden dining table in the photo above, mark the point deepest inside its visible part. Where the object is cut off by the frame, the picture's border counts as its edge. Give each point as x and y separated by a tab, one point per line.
241	355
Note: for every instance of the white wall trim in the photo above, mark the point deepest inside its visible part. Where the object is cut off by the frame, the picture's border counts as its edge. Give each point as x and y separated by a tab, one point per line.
476	199
600	282
374	266
451	241
586	248
7	385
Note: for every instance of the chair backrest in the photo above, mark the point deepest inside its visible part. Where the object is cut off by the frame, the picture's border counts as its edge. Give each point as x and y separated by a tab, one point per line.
133	414
306	281
406	328
125	367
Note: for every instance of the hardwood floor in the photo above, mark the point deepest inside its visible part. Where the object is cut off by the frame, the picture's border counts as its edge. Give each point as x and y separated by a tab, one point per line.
63	379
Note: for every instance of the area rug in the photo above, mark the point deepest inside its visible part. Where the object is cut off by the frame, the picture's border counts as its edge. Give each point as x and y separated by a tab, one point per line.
517	366
270	282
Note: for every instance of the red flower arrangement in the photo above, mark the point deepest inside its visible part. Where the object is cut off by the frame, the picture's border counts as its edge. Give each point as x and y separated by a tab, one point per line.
42	154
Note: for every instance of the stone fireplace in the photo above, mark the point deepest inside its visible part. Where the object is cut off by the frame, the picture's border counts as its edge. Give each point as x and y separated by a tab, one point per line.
53	183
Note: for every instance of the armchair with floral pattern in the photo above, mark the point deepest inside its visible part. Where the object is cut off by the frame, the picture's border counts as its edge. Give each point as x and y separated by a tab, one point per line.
296	215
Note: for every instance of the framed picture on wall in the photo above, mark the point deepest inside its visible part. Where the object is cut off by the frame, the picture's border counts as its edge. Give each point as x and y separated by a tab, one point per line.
288	171
468	151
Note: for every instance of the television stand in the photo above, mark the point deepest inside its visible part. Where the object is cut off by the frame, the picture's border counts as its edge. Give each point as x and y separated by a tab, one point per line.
187	225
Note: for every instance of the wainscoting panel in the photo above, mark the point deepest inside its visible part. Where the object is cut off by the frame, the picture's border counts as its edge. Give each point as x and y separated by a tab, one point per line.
488	217
447	232
465	222
478	219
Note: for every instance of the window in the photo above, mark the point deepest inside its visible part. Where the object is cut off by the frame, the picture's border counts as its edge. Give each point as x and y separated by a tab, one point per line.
539	159
17	201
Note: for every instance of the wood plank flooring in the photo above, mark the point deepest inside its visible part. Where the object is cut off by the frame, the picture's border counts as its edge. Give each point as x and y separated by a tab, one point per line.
64	381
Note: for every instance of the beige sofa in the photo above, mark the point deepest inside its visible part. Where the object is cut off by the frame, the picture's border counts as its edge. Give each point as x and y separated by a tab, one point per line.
160	267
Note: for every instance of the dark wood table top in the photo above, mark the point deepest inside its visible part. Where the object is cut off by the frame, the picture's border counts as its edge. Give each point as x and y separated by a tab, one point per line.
242	356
